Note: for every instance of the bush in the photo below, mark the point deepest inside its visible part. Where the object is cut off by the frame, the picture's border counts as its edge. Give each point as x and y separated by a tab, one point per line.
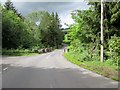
114	50
16	52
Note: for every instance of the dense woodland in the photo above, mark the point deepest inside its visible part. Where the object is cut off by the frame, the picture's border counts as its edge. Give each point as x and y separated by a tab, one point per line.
84	35
36	30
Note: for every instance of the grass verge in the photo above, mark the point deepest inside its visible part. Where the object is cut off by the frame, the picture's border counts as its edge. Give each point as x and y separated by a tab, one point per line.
18	52
104	69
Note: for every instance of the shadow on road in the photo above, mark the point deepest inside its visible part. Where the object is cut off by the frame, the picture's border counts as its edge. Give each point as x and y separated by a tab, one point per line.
40	77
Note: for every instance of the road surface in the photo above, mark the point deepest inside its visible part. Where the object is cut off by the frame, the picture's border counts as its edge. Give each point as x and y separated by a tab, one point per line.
49	70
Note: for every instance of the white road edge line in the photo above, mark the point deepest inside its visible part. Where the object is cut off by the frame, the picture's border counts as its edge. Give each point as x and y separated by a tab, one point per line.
5	68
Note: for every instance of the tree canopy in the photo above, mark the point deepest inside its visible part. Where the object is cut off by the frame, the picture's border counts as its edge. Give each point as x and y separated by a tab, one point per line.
39	29
84	35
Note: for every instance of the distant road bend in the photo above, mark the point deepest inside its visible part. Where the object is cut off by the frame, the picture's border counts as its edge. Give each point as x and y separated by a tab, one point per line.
49	70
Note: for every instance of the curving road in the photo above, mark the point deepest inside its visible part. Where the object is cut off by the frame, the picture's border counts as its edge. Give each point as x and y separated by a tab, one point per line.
49	70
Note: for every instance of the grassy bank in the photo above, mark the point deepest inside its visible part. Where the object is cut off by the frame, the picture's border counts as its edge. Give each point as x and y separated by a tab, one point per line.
18	52
105	69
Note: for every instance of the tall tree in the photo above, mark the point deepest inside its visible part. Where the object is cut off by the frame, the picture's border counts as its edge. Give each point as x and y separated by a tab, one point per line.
9	6
84	34
15	32
50	32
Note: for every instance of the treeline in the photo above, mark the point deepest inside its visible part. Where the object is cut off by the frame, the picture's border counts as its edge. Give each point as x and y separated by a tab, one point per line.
84	35
36	30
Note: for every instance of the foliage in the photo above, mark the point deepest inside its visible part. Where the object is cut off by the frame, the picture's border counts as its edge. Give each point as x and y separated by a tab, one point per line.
84	34
14	31
46	28
66	39
114	50
34	31
9	6
18	52
51	35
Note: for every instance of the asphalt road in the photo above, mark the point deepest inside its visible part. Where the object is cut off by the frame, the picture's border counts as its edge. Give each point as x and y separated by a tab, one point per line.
49	70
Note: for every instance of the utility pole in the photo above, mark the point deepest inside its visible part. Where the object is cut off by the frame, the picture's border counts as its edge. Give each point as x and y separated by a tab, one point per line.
102	36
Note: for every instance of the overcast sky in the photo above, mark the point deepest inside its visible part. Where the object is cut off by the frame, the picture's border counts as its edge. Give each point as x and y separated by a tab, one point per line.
62	8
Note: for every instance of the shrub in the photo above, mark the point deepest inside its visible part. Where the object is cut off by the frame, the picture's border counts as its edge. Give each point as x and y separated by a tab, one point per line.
114	49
